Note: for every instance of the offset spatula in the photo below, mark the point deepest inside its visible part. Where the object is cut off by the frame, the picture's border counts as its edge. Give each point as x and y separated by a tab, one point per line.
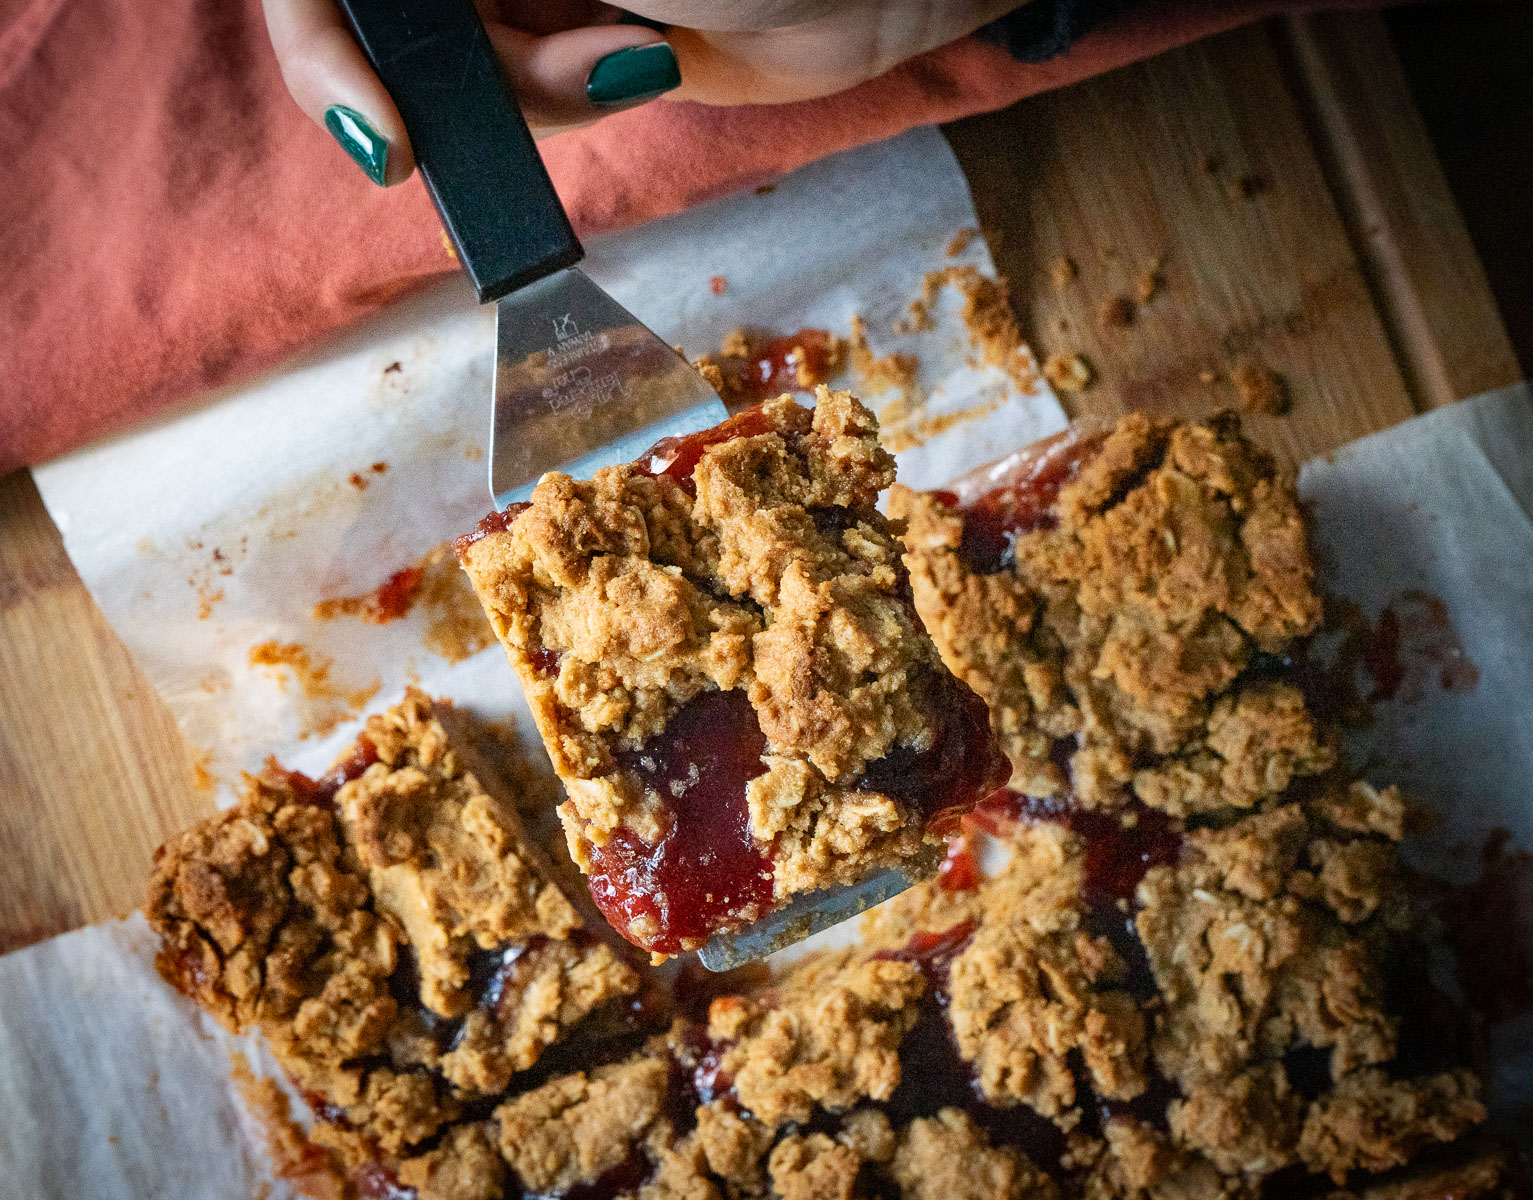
579	383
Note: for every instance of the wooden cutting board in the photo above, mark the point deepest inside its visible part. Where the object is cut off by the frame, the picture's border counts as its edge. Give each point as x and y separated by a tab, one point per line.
1276	182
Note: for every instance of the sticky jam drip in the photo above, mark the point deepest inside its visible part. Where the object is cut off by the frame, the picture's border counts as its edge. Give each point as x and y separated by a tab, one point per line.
994	521
706	871
794	362
676	458
322	791
963	765
495	522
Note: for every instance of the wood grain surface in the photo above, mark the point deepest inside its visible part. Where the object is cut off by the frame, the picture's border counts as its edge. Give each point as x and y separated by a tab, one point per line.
1276	180
1282	182
93	772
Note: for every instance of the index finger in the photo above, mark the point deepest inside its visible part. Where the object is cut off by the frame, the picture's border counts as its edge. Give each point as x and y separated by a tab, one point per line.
331	80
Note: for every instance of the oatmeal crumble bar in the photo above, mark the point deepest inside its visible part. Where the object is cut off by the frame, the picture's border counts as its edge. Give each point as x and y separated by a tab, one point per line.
388	929
720	652
1114	602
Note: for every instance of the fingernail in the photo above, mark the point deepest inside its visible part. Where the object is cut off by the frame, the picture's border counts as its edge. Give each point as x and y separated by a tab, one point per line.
634	73
367	147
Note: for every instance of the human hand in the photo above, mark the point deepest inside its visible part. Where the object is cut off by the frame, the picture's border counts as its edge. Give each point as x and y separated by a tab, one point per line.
571	62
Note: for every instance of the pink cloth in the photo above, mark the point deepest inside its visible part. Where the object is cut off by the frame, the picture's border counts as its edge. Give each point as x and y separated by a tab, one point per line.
170	221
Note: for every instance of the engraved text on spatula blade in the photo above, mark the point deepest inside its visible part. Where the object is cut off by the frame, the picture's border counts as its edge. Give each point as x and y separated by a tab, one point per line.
580	384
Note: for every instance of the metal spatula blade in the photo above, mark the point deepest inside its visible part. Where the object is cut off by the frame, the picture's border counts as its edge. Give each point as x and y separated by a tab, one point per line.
580	384
810	913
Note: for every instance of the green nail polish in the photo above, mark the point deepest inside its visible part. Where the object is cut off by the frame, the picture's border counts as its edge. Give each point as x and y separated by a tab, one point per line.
634	73
366	145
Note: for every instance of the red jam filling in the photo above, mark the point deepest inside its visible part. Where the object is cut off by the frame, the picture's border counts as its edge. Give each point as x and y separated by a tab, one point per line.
962	767
706	871
545	661
933	953
993	522
1117	856
322	791
677	457
794	362
495	522
959	871
395	595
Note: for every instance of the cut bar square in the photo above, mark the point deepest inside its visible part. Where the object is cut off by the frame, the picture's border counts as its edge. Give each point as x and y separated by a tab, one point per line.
1125	602
390	930
720	650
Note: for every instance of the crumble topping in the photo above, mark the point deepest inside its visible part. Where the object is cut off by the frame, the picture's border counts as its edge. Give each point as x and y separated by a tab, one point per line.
1121	620
576	1128
443	855
831	1036
1135	1161
1024	1000
946	1157
815	1167
1373	1123
1255	957
466	1166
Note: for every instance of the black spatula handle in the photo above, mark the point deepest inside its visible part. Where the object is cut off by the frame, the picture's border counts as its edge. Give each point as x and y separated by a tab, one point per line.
470	139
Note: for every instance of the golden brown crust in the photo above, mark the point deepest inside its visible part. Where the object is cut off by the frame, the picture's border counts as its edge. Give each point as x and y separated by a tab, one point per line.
1178	553
1137	1162
830	1038
466	1166
1372	1123
575	1128
1023	1001
446	858
1254	956
813	1167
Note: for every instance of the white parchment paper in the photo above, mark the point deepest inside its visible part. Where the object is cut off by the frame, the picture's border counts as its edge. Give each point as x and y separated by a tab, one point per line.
111	1086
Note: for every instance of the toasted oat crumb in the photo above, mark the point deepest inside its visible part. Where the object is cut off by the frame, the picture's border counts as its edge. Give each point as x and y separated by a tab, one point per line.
1067	372
1261	389
961	241
1063	272
987	316
875	374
